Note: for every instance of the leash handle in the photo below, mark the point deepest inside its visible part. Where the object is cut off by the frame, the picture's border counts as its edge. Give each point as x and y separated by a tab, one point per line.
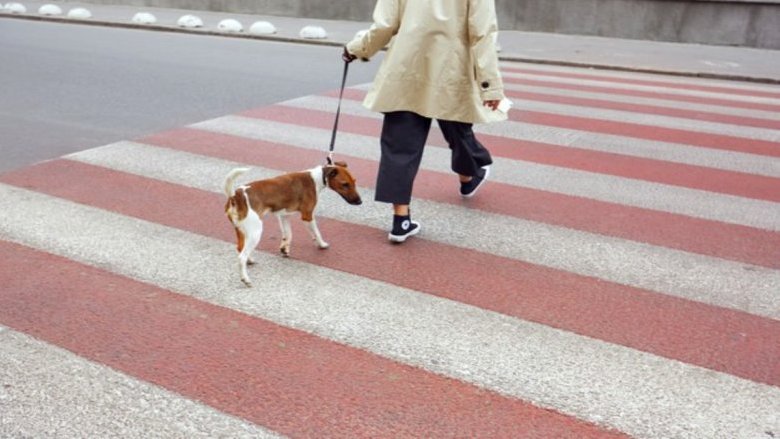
338	113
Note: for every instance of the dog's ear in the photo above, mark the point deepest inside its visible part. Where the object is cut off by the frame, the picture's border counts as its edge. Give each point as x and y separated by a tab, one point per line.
332	172
342	164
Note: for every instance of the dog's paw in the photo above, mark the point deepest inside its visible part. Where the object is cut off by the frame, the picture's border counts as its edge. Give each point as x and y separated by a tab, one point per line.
323	245
247	282
285	250
251	261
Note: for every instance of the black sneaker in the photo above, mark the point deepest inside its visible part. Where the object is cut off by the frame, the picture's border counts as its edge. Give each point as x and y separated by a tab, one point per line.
403	227
467	190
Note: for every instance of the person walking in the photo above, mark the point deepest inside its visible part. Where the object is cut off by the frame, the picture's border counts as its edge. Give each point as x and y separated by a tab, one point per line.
442	64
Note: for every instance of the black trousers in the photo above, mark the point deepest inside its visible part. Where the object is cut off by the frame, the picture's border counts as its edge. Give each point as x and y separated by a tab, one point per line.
403	139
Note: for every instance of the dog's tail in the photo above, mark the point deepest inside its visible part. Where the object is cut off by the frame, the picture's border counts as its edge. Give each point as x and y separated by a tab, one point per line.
230	180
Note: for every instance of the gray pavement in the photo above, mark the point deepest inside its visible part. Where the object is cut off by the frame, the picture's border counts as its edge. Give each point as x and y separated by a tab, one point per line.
722	62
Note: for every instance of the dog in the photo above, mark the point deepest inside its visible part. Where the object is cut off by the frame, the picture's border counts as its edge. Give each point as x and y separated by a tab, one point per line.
283	195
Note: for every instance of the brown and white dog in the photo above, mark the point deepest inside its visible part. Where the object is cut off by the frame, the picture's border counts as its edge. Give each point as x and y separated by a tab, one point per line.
283	195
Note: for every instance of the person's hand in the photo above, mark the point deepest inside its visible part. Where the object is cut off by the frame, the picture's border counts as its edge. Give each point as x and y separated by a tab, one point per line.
492	104
347	57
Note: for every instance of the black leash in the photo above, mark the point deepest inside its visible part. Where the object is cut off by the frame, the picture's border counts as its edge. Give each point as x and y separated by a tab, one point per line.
338	113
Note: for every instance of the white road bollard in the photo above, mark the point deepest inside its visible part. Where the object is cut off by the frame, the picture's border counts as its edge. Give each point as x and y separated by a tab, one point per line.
230	25
50	9
15	8
144	18
313	33
262	28
79	13
189	21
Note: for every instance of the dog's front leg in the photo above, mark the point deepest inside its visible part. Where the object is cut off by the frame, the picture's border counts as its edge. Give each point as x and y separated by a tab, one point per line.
284	226
315	233
253	231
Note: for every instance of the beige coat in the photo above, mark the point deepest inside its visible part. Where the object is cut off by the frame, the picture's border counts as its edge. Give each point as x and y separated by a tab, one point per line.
442	62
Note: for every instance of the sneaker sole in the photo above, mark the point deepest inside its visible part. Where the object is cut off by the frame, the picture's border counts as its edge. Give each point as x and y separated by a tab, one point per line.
402	238
484	179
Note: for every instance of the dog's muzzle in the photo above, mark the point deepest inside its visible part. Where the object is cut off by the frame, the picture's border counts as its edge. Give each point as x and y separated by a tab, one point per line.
356	201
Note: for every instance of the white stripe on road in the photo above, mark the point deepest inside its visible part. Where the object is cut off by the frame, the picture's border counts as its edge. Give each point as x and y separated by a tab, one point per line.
690	276
632	391
651	120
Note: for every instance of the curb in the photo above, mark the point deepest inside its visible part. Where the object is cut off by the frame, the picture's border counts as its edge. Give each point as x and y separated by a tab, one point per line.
173	29
333	43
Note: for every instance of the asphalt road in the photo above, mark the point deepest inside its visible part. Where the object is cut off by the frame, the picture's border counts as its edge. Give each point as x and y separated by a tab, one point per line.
69	87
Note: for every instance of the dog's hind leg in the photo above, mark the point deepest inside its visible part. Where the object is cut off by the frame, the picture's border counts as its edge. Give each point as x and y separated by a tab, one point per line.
284	226
253	231
240	245
315	233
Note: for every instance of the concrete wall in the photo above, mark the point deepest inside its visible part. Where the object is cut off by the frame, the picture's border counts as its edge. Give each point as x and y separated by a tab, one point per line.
736	22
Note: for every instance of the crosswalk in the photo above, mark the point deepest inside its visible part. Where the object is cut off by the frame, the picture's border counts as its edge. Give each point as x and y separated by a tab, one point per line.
619	276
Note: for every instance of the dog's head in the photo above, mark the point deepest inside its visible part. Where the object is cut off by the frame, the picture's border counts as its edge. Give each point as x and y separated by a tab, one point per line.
338	178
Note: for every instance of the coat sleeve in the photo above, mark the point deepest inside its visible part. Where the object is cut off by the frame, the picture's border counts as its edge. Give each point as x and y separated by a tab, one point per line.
387	20
483	30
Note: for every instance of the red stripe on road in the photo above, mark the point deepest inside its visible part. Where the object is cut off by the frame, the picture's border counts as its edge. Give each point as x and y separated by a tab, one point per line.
651	83
287	380
712	238
648	94
657	171
649	132
646	109
720	339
